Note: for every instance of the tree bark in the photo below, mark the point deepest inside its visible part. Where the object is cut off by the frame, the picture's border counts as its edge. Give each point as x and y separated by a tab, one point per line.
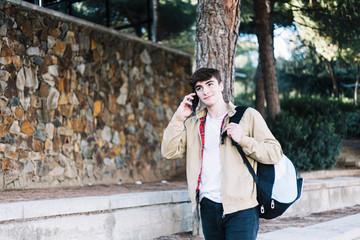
356	85
217	31
331	72
155	19
264	32
260	91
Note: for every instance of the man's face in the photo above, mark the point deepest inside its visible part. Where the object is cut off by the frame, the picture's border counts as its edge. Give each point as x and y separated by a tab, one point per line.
209	91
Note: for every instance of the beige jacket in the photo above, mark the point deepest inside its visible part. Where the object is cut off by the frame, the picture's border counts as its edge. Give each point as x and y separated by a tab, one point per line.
238	188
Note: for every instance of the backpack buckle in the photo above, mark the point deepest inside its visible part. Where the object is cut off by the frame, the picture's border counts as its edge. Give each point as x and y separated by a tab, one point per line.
262	209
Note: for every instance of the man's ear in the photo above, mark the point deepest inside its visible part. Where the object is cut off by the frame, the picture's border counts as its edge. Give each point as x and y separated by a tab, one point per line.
221	84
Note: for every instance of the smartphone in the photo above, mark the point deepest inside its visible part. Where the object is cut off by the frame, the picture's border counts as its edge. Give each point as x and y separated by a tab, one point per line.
195	102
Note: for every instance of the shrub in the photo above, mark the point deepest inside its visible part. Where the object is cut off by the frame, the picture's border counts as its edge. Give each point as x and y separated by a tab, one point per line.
318	110
352	115
310	132
242	101
353	124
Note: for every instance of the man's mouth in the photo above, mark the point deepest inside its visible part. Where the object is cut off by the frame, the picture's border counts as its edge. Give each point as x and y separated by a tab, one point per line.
207	97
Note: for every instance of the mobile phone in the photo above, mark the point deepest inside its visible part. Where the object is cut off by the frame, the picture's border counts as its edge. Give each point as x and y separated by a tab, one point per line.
195	102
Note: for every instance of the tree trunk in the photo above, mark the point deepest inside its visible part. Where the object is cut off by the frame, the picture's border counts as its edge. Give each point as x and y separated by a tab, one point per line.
155	19
356	85
331	71
264	32
217	31
260	91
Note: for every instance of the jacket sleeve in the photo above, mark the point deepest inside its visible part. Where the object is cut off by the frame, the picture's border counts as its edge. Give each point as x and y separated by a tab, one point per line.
259	143
174	139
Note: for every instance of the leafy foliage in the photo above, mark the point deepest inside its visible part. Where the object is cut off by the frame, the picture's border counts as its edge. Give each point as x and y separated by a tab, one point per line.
244	87
310	132
176	17
352	115
329	26
353	120
281	15
305	74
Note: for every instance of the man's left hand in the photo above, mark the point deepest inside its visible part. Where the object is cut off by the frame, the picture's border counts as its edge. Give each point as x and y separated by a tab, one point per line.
234	132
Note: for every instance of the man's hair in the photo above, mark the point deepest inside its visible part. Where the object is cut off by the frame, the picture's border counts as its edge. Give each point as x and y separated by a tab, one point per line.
203	74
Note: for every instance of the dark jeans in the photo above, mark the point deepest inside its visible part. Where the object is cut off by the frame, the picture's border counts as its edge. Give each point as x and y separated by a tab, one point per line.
241	225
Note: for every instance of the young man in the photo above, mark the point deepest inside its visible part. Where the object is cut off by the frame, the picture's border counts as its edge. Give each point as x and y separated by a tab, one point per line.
216	174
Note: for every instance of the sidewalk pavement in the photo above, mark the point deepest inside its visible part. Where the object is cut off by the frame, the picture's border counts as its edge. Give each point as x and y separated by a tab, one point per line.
341	224
345	228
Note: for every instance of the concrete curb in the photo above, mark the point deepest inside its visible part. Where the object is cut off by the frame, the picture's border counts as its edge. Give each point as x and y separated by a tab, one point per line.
123	216
321	195
68	206
327	174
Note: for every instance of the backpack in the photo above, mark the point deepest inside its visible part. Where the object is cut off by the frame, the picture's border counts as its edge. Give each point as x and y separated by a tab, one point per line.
278	186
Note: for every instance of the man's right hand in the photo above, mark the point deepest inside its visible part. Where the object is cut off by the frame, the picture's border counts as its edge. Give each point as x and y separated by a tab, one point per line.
184	110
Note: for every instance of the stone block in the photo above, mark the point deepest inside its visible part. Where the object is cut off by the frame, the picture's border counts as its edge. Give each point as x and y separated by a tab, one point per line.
6	164
59	48
29	167
33	51
3	101
27	128
15	128
26	28
77	124
19	113
16	60
20	80
5	60
97	108
53	98
3	30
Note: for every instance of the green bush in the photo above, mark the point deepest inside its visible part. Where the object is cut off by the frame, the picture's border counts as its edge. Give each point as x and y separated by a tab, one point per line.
241	100
353	124
318	110
310	132
352	115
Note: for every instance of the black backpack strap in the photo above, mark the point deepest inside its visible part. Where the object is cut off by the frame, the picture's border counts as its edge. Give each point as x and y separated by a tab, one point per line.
236	119
239	112
246	161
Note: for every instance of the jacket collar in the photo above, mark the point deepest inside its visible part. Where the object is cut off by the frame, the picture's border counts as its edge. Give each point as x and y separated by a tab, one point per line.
203	110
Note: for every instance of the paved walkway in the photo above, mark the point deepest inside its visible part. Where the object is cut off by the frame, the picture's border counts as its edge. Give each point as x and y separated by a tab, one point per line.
343	228
342	224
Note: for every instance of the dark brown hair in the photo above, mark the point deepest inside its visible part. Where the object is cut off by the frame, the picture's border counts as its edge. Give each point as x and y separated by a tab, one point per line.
203	74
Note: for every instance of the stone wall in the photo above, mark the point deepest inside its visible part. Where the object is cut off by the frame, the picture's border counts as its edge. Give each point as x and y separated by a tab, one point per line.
80	103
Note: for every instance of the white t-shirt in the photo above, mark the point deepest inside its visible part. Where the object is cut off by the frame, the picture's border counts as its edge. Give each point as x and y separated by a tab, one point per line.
210	184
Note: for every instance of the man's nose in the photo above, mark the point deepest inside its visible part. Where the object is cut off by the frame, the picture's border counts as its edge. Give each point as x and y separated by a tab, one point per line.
206	90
